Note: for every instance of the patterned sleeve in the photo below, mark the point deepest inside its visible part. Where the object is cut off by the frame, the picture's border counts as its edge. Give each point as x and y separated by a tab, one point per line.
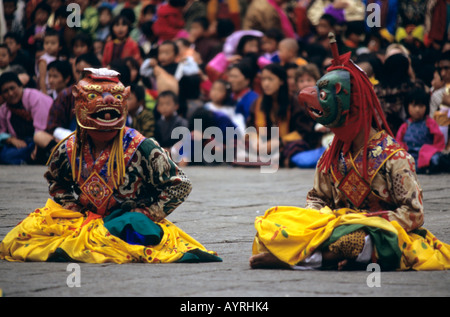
59	177
321	194
161	173
405	190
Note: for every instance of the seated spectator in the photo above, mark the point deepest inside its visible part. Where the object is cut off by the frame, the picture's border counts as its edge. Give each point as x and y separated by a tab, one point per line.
19	56
60	76
61	117
34	34
288	52
52	47
440	99
121	44
236	46
170	22
23	113
80	44
105	18
203	43
327	24
276	108
160	70
139	117
221	105
5	56
267	14
167	106
241	76
393	88
269	44
421	137
291	70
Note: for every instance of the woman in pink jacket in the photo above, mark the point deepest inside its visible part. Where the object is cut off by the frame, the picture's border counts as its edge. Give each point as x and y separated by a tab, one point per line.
24	111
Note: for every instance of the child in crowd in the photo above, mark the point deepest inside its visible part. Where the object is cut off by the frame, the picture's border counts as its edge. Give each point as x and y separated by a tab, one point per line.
18	55
269	44
139	117
161	70
288	52
204	44
327	24
133	66
222	106
5	57
291	70
52	47
80	44
148	14
105	18
60	76
54	5
167	106
121	44
307	76
34	35
421	137
354	36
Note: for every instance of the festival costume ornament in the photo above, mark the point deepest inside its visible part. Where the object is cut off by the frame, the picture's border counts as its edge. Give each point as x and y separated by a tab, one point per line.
345	102
100	100
101	112
106	213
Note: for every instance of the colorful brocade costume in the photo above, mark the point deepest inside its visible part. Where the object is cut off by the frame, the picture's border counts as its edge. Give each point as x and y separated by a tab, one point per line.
368	207
114	221
390	211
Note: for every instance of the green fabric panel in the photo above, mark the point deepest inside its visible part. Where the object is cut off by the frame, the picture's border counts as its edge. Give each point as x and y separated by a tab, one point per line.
386	244
196	255
118	220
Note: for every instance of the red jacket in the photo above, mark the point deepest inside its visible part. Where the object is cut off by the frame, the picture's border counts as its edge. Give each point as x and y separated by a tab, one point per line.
169	23
130	49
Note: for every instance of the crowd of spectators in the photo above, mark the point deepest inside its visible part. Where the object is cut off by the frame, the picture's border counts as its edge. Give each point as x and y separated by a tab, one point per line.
235	63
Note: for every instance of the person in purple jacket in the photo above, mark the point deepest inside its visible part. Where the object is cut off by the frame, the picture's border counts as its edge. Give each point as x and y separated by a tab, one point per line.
23	112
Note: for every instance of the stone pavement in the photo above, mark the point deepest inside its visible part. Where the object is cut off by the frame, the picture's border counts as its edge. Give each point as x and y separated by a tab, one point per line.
219	213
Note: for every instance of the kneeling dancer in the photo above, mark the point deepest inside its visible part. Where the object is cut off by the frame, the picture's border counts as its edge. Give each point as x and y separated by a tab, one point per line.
366	203
112	189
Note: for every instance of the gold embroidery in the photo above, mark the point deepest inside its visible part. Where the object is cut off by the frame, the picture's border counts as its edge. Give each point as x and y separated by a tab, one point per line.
96	190
354	188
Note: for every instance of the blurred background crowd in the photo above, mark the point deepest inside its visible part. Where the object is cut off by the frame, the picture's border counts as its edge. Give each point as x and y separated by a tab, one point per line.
235	63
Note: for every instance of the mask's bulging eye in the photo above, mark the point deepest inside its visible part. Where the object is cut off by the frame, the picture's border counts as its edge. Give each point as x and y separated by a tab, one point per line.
91	96
322	95
119	97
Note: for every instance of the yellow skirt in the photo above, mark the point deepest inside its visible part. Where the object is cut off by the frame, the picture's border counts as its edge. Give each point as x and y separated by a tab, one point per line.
84	238
292	234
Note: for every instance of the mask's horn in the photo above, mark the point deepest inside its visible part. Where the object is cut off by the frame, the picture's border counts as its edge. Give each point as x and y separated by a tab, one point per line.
334	48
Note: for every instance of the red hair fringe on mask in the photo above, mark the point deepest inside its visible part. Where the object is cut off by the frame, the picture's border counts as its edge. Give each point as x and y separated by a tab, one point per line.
364	108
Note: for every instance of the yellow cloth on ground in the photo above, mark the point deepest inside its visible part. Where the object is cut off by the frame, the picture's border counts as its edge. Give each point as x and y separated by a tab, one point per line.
293	233
84	238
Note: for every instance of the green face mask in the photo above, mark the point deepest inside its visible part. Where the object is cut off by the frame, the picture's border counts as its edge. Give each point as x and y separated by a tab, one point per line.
333	94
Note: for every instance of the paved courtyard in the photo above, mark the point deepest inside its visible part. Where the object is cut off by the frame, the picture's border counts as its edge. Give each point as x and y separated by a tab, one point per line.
219	213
